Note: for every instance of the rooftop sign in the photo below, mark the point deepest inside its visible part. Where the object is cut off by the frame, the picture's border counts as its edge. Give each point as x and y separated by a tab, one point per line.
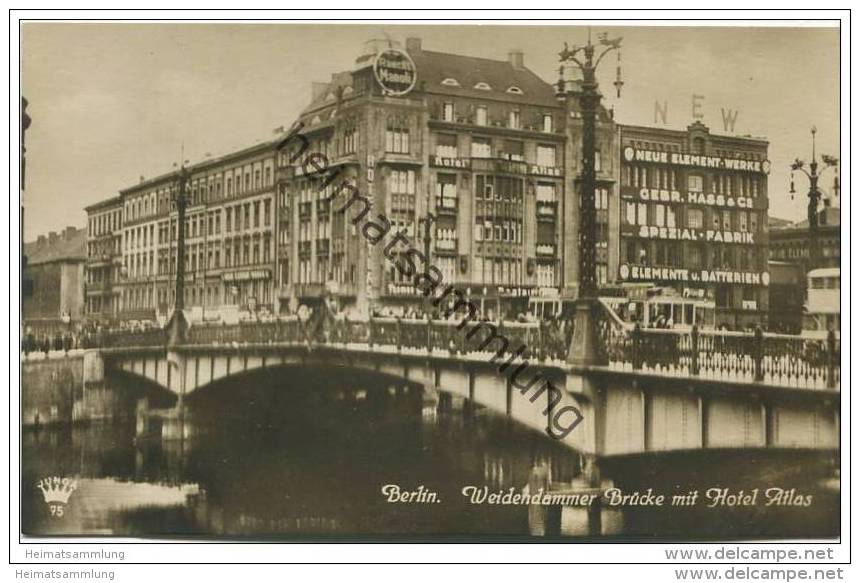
395	72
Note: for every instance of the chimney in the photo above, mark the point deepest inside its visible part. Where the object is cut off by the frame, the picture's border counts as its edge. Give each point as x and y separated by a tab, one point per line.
53	237
318	90
515	58
413	45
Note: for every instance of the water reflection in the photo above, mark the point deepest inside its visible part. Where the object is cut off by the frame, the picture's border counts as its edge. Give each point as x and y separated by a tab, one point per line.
266	462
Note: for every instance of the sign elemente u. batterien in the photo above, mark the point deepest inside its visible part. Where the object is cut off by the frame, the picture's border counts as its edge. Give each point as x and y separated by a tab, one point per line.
395	72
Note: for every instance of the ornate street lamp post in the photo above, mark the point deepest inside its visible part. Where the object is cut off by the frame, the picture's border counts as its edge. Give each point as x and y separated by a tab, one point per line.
815	195
583	349
177	325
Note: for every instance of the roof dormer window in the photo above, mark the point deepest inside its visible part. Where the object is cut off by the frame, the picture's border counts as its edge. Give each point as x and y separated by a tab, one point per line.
515	90
482	86
451	82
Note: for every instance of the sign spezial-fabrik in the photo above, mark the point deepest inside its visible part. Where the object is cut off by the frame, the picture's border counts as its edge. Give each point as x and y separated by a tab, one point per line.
394	71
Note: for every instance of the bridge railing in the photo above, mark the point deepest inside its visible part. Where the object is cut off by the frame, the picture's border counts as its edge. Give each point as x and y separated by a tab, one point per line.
133	338
777	359
275	331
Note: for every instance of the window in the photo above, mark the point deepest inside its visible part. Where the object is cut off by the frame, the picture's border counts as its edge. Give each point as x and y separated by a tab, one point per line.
256	214
481	148
753	222
446	191
401	182
267	212
630	213
694	183
723	296
482	86
546	156
446	146
448	112
513	150
727	220
601	199
670	216
545	192
397	137
451	82
642	212
547	123
514	119
598	161
481	115
350	140
695	218
515	90
659	215
742	221
694	256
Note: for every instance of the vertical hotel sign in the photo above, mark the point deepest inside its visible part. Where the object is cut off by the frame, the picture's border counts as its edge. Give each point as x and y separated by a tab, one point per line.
395	72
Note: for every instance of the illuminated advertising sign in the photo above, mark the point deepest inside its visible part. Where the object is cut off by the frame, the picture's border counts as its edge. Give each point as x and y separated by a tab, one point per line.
632	154
395	72
628	272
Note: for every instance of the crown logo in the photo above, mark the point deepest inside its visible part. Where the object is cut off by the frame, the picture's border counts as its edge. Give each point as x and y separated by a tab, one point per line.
57	490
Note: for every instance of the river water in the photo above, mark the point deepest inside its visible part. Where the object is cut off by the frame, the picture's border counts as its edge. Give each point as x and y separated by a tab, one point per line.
265	462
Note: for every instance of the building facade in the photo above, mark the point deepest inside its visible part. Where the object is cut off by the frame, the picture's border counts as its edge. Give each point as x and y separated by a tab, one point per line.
475	163
104	259
230	232
694	218
790	242
55	266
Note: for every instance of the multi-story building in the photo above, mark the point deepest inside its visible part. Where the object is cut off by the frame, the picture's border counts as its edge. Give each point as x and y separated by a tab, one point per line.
104	259
479	144
55	267
694	217
491	154
230	236
790	242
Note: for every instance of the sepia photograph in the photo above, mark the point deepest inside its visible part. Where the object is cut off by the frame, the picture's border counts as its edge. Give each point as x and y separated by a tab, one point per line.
452	281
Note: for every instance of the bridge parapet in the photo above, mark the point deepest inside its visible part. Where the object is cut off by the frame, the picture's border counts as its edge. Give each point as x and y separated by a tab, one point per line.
712	355
773	359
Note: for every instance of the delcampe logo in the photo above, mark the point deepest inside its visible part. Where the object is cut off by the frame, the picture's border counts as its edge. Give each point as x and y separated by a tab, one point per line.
56	492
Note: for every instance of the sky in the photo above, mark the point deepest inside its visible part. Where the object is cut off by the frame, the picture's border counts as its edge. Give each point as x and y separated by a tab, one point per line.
113	102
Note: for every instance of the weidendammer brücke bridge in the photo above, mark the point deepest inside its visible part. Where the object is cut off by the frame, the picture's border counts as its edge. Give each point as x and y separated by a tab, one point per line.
651	390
